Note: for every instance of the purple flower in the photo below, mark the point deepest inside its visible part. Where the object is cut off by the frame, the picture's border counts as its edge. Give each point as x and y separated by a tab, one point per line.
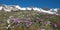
48	22
55	25
30	23
46	16
11	27
17	20
44	22
27	25
26	18
39	20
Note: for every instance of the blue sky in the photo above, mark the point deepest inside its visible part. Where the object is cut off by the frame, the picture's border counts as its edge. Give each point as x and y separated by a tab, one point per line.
36	3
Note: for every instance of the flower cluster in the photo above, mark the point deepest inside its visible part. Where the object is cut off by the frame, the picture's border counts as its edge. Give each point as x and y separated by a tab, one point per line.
18	22
33	20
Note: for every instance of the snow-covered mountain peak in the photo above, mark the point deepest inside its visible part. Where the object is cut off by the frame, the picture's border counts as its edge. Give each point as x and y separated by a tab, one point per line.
9	8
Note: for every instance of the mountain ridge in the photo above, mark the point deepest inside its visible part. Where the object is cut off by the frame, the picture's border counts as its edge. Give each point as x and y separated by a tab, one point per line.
9	8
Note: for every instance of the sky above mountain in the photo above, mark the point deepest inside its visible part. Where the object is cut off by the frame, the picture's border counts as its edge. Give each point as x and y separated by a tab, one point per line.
35	3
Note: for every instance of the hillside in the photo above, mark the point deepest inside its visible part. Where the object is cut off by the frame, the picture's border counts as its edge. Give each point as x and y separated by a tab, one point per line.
37	20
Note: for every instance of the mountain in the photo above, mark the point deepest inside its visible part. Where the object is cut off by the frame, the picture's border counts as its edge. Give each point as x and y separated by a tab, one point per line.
58	12
9	8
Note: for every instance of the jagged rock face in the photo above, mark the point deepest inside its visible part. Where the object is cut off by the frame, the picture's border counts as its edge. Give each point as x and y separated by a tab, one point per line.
45	8
58	12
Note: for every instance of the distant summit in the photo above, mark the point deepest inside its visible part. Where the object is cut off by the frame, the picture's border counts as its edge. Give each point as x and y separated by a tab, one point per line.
10	8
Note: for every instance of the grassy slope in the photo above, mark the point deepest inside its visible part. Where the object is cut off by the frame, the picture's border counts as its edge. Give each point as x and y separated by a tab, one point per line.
32	14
